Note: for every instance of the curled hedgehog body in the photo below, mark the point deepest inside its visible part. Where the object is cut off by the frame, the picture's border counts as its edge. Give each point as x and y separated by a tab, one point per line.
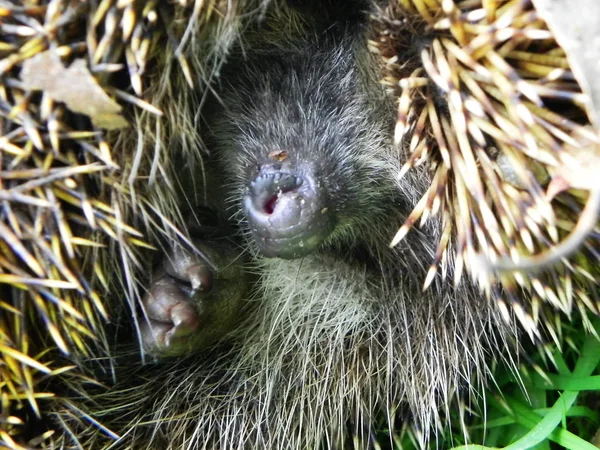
290	322
338	337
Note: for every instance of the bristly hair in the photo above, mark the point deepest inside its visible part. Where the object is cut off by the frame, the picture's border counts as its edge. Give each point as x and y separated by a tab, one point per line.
488	104
313	367
341	343
79	203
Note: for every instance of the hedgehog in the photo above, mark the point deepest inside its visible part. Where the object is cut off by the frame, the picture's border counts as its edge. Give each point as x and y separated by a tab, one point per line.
301	165
298	134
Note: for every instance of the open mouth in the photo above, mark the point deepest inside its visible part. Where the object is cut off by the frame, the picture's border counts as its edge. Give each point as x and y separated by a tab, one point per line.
280	183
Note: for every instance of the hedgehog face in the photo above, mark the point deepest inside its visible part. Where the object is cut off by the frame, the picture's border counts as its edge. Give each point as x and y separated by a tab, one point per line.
306	161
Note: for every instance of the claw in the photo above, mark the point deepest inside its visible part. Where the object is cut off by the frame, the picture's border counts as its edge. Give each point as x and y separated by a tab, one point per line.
188	268
200	277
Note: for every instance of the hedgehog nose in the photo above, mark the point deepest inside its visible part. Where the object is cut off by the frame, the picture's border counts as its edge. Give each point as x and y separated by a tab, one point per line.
276	197
286	213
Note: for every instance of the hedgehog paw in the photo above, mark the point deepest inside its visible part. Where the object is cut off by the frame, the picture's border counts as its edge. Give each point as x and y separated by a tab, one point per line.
190	306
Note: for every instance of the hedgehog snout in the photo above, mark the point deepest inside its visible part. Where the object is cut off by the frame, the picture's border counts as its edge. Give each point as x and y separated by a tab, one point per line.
287	212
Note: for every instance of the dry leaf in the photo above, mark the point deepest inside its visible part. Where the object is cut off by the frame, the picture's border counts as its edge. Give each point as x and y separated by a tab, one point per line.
75	86
575	26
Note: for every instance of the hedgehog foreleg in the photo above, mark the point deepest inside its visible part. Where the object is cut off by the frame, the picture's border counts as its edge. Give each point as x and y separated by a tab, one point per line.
191	304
